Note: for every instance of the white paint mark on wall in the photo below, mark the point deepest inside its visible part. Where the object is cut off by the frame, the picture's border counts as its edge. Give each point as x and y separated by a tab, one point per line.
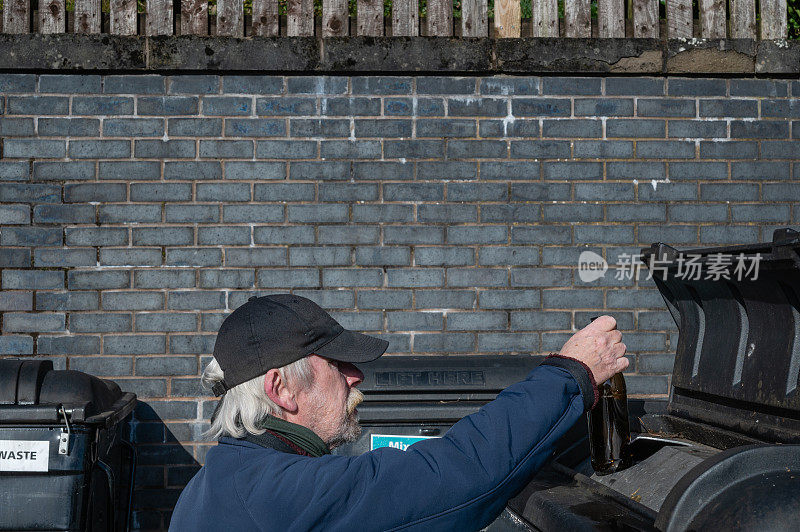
465	99
655	182
509	119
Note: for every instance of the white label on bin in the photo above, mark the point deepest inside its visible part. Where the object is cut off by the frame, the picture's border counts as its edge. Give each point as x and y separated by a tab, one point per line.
21	455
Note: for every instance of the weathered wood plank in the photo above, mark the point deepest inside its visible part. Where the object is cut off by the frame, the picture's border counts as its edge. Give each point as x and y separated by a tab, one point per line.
712	19
159	17
440	18
405	18
265	18
645	19
545	18
230	18
300	18
507	17
123	17
335	18
679	19
369	17
87	16
52	16
773	19
474	18
611	18
743	19
16	16
578	19
194	17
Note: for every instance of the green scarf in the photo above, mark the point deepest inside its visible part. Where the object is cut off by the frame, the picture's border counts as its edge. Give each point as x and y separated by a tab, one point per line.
299	435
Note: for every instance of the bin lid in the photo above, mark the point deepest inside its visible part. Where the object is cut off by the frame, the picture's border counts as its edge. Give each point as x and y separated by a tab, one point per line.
436	389
31	391
737	362
410	378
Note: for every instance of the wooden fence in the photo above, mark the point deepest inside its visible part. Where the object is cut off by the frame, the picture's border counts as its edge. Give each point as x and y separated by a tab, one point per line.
717	19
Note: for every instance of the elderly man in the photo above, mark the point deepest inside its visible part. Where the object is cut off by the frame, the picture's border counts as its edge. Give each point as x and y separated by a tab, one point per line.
286	373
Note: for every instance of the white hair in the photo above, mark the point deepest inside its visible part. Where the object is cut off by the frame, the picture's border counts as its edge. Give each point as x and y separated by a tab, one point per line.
243	407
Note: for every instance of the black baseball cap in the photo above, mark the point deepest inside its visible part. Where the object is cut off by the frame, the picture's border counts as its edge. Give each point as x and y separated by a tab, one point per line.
271	331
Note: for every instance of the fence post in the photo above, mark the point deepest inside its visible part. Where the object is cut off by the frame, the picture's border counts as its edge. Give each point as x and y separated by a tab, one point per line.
369	17
123	17
87	16
475	18
335	18
299	18
230	18
52	16
16	15
773	19
645	19
712	19
194	17
743	19
440	18
577	18
679	19
611	18
545	18
507	18
405	18
159	17
265	18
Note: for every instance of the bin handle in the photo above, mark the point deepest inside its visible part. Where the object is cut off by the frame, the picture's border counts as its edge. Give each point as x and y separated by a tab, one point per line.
111	487
63	439
132	450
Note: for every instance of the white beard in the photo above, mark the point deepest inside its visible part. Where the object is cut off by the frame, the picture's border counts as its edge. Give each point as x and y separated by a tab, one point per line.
347	429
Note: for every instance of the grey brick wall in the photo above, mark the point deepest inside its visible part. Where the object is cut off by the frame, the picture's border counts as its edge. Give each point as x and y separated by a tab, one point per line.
445	214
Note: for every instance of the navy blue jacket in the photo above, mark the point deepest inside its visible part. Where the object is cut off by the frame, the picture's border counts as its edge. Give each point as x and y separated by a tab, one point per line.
460	481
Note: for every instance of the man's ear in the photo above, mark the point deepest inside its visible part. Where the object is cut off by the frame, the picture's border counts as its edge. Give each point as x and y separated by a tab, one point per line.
276	389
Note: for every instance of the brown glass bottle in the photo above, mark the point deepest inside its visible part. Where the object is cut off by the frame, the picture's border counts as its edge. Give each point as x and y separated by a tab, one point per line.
609	431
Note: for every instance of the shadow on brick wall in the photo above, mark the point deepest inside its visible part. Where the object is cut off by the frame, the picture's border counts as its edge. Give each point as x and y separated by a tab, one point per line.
164	465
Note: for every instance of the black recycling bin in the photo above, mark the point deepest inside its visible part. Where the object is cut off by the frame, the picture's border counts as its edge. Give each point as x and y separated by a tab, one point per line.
65	459
723	453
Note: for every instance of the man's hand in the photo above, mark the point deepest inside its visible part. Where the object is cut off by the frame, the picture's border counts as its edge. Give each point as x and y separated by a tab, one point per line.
599	346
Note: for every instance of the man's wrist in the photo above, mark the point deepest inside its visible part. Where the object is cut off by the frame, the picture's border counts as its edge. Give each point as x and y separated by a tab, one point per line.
582	374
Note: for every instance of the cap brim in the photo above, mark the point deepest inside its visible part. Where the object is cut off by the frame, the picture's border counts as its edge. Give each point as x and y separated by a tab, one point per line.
351	346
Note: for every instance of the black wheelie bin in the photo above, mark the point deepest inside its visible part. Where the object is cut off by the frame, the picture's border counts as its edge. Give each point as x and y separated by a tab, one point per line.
724	453
66	462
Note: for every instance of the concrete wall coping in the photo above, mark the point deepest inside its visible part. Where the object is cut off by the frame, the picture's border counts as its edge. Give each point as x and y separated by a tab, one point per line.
418	55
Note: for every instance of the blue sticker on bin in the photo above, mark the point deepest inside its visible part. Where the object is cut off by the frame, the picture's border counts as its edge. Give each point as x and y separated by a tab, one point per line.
396	441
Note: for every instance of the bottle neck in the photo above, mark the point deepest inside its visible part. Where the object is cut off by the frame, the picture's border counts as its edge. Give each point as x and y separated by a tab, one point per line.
615	385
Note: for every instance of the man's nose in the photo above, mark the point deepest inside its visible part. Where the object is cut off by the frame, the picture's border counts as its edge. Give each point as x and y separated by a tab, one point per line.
353	375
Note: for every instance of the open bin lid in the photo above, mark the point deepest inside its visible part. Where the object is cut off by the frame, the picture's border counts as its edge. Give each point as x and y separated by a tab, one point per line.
737	362
31	391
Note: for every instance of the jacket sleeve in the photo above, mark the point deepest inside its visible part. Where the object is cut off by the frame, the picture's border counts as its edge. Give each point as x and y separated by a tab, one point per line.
461	481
